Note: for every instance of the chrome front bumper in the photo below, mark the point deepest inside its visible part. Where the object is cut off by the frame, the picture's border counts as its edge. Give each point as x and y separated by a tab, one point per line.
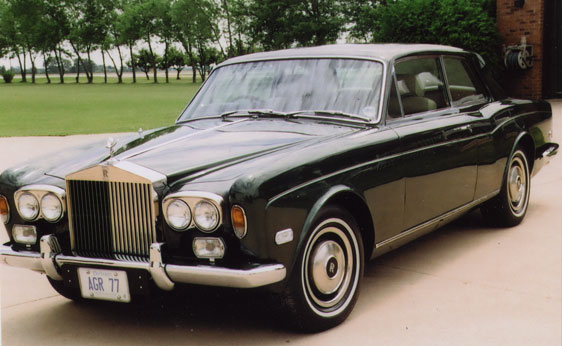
164	275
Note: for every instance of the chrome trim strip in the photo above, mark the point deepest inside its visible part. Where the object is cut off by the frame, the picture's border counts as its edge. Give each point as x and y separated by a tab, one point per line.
237	278
157	269
164	275
444	218
191	198
360	165
153	176
38	191
50	248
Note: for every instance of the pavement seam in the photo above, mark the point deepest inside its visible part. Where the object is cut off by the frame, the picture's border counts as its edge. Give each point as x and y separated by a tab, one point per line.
29	301
473	283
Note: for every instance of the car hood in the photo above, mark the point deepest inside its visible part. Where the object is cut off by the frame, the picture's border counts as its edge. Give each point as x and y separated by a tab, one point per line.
181	150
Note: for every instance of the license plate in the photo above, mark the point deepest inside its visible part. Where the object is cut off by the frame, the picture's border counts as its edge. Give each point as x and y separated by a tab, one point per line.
104	284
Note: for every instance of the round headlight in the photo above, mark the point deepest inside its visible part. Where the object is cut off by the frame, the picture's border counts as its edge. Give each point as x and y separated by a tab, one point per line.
178	215
28	206
51	207
206	216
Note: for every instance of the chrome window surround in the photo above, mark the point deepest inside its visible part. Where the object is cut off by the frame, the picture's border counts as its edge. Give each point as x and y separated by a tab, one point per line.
191	198
7	206
384	78
38	191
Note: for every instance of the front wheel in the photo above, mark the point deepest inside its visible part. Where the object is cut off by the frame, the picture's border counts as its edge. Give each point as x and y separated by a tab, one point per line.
510	206
325	282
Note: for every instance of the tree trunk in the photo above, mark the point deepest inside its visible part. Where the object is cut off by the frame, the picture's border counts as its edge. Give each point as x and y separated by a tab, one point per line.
166	60
33	69
228	26
178	75
146	73
60	65
104	68
90	73
22	67
119	72
133	63
46	63
153	58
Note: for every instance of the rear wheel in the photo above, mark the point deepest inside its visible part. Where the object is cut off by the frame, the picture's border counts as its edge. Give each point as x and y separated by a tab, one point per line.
324	285
510	206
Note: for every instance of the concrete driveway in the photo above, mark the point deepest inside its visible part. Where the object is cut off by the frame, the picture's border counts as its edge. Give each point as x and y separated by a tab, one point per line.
465	284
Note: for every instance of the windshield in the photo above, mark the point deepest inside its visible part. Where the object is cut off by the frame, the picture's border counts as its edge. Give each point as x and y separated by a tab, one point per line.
336	85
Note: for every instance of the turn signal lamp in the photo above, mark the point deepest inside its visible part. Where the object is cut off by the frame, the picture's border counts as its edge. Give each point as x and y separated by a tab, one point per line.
238	217
4	210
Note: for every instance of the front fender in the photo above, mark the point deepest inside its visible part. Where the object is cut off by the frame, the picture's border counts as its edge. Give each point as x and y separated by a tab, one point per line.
297	210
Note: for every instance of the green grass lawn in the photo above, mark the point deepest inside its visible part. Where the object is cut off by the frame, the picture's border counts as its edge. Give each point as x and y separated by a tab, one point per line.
70	108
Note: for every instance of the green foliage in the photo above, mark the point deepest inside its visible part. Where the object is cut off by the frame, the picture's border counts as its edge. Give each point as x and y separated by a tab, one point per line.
8	75
461	23
279	24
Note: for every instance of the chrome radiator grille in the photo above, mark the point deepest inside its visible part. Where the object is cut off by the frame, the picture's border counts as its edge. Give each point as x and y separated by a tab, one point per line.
111	219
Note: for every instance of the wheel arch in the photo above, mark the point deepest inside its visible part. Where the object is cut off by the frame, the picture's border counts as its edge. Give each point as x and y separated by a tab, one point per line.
525	141
344	197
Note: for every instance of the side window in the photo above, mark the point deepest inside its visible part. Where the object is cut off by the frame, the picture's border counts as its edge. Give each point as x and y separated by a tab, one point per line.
393	107
464	84
420	85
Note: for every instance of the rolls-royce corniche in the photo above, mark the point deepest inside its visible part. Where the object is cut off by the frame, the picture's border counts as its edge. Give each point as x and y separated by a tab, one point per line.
287	171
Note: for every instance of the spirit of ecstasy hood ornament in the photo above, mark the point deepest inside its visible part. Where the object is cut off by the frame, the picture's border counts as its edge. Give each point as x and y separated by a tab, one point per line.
111	145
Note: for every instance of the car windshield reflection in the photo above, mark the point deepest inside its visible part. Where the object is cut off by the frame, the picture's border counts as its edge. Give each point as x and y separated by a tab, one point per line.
332	87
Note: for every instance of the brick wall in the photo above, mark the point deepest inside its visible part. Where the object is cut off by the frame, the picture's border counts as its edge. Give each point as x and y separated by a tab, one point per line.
514	23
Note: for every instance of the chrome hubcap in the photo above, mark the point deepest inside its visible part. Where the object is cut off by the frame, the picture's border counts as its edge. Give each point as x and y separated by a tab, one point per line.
517	185
328	267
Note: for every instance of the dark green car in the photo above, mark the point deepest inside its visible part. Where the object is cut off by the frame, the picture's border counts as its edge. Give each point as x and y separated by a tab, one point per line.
287	171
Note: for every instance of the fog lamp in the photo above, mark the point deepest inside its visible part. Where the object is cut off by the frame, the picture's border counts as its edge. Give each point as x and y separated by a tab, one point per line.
4	210
24	234
238	221
208	247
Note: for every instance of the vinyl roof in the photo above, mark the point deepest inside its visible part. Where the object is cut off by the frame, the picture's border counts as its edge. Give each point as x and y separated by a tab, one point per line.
385	51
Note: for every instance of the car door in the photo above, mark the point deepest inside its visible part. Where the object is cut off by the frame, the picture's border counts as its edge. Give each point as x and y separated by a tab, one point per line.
437	144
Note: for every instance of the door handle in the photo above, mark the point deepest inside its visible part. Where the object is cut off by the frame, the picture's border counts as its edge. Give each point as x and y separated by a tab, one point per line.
457	130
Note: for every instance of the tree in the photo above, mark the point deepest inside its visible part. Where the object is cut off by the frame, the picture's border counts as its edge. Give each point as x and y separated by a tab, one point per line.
12	36
87	30
144	60
55	25
147	13
461	23
199	34
177	60
165	31
127	31
280	24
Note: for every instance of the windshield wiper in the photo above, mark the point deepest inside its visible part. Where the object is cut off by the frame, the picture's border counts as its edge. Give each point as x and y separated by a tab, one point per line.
258	113
334	113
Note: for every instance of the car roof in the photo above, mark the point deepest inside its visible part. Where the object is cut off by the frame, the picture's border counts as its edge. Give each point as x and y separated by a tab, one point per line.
384	51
